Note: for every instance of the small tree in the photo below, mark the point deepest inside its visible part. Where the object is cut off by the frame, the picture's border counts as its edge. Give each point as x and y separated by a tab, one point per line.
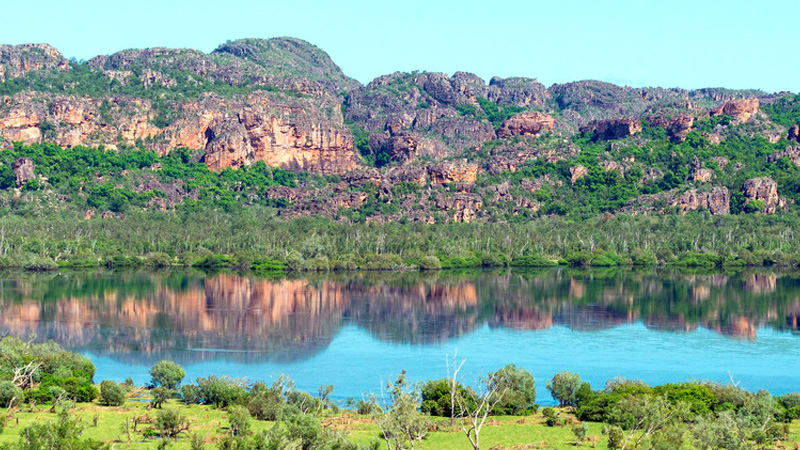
564	387
10	394
643	415
474	407
160	396
400	421
239	419
580	432
167	374
190	394
170	423
615	436
111	393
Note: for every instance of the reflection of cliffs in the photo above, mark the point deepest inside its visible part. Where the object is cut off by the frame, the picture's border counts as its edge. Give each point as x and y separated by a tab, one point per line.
188	317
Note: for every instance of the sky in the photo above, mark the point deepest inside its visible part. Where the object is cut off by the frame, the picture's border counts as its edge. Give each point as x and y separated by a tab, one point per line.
669	43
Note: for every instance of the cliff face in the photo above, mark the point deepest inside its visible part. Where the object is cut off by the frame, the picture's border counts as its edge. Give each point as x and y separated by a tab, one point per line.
451	141
297	134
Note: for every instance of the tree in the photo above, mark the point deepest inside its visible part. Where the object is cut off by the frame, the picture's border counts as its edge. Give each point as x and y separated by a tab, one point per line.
111	393
473	408
170	423
239	419
160	396
564	387
580	432
10	394
520	392
643	415
400	421
167	374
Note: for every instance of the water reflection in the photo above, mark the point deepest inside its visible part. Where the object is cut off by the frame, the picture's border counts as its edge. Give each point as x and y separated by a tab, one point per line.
189	317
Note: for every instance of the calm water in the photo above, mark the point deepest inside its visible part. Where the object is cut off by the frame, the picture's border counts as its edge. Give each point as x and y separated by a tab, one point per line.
357	331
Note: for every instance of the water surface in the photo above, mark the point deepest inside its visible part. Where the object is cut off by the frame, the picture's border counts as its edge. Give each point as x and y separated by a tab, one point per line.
357	331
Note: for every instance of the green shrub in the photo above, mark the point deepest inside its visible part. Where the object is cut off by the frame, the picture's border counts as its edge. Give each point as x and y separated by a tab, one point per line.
564	387
430	262
167	374
10	395
239	419
111	394
190	394
170	423
532	261
520	392
221	391
435	395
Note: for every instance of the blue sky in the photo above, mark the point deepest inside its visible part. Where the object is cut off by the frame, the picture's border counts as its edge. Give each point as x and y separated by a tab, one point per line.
673	43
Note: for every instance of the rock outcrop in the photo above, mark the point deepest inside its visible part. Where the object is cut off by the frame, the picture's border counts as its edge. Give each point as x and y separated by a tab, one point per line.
460	207
613	128
679	127
531	123
792	153
577	172
453	172
764	189
740	109
794	133
716	201
18	60
698	173
23	169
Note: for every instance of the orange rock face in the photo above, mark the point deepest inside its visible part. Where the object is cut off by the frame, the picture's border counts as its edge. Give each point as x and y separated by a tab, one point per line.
577	172
303	134
453	172
741	109
531	123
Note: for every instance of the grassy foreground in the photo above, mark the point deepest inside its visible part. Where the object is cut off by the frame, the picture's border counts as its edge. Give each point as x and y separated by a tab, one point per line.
506	432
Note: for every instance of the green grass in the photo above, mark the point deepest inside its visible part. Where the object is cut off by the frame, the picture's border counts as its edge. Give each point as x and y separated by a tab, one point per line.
499	432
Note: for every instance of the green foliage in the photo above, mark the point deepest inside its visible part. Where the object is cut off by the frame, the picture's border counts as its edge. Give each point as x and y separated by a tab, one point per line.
615	436
400	421
564	387
436	398
191	395
10	395
519	392
111	393
240	420
167	374
64	433
497	114
160	396
221	391
170	423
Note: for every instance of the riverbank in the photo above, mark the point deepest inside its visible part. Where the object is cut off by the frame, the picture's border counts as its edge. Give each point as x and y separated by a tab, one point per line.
256	239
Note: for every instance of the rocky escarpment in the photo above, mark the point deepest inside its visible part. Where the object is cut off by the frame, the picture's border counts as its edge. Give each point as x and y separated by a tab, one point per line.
283	131
716	201
19	60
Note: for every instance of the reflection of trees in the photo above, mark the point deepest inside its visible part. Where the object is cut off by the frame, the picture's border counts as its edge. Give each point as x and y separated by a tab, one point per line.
188	316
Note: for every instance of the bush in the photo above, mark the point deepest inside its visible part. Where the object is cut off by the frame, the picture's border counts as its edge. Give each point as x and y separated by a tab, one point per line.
564	388
265	403
167	374
160	396
436	399
239	419
111	393
580	432
550	416
220	391
10	394
520	396
699	397
190	395
170	423
430	262
615	436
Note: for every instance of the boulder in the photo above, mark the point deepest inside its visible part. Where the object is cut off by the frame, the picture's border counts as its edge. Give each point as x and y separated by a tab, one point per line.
23	169
530	123
764	189
792	153
577	172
